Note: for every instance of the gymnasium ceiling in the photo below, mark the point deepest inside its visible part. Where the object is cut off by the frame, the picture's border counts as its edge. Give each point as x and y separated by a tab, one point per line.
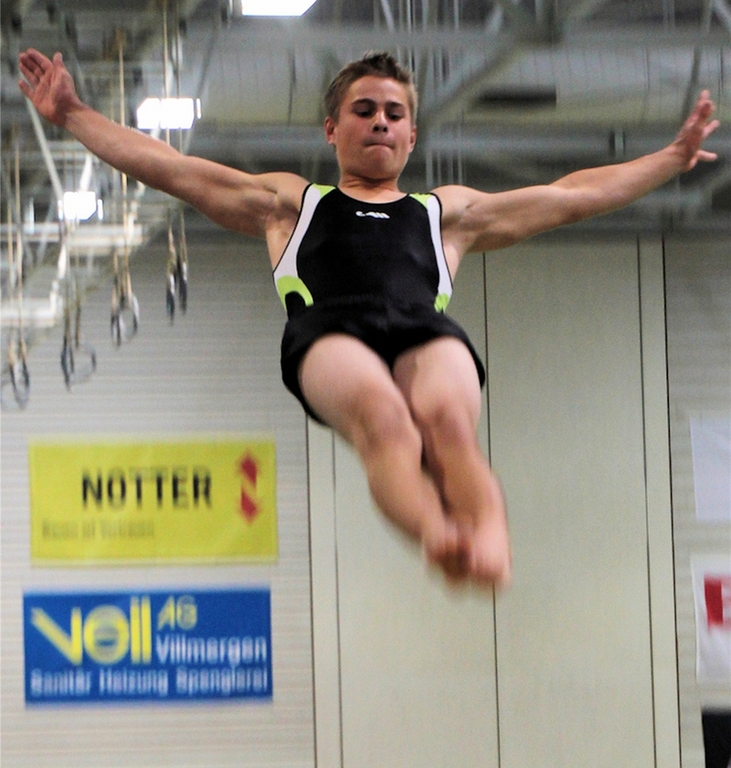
513	92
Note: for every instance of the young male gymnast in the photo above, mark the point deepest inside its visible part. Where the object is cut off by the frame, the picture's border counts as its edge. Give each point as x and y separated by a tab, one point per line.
365	273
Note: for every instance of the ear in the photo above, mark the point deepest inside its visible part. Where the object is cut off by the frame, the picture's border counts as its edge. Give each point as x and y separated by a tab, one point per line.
413	139
330	126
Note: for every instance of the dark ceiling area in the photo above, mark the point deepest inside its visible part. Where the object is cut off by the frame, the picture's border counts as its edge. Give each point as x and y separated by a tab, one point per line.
512	93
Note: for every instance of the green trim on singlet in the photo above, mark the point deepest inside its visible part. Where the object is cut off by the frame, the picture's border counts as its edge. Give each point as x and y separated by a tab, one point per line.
285	273
323	189
441	301
291	284
420	197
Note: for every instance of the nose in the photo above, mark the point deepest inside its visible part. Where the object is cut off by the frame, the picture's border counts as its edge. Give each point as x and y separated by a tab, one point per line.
380	124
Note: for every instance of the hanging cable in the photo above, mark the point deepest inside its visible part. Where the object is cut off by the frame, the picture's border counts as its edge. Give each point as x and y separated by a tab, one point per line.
182	260
176	273
170	270
18	375
124	302
72	347
170	287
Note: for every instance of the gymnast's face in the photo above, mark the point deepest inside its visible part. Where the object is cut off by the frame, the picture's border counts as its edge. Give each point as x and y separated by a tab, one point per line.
374	133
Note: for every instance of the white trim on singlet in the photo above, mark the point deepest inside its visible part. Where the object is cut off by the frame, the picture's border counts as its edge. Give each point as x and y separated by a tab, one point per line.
285	274
433	207
287	279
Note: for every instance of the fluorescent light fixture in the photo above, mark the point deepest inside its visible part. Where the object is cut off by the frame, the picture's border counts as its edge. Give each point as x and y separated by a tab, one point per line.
29	218
78	206
275	7
174	114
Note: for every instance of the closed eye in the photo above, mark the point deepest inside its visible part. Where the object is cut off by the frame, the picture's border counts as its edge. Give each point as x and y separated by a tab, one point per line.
364	108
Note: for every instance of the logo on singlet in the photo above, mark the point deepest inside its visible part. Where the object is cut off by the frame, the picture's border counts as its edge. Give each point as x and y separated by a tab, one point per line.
373	214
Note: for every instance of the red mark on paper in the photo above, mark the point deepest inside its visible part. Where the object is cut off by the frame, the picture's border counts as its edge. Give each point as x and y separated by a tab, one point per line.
718	600
249	469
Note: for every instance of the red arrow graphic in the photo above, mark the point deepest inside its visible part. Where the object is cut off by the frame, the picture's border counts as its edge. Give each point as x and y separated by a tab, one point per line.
249	508
249	469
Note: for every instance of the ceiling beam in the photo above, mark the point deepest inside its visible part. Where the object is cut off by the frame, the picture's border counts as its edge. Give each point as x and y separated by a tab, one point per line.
451	100
723	13
580	10
263	36
547	144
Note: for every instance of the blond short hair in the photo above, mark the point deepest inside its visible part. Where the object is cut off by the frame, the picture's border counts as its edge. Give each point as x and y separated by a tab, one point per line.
376	64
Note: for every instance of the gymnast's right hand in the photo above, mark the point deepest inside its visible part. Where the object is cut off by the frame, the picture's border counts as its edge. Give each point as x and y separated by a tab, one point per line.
48	85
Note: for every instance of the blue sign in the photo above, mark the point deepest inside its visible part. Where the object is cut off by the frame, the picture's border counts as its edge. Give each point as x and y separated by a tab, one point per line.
147	646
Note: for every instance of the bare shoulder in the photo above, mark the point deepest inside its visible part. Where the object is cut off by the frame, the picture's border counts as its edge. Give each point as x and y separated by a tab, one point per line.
456	201
473	220
274	195
288	188
287	192
465	215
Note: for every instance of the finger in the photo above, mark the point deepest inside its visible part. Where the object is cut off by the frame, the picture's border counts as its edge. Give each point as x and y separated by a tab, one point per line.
25	88
702	112
710	128
38	58
23	68
705	156
703	108
706	111
29	61
29	68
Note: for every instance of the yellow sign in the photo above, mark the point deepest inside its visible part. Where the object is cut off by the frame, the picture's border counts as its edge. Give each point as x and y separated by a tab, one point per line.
158	501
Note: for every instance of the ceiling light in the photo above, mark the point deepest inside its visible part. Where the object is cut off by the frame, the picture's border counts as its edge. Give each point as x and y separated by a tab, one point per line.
78	206
275	7
174	114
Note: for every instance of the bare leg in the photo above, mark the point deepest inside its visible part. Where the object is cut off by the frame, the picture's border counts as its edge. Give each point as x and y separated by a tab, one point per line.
353	391
440	384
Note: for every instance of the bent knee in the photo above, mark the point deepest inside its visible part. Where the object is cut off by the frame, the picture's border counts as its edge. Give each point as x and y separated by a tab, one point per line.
380	420
447	421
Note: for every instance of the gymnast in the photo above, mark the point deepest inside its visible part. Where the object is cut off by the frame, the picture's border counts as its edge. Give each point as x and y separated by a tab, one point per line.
365	273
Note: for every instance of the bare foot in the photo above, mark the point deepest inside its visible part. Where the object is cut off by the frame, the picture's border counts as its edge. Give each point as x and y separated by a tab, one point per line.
491	560
487	544
447	546
468	552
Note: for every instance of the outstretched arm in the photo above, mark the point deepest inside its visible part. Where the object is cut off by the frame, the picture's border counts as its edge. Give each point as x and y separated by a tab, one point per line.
474	221
253	204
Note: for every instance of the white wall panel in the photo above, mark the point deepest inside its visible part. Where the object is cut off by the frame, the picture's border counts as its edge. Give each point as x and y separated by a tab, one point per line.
215	371
699	370
417	660
584	664
415	667
406	672
659	503
566	422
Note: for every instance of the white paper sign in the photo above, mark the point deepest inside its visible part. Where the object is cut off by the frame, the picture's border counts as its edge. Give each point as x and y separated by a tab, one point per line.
712	589
710	438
